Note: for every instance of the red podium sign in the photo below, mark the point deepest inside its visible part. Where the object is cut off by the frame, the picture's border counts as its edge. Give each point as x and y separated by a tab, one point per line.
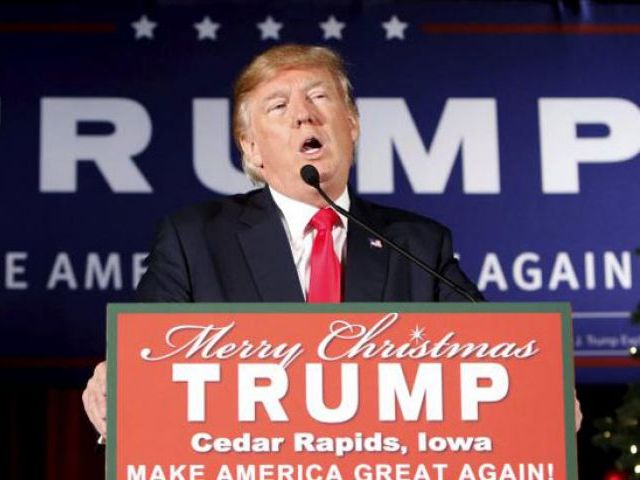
349	391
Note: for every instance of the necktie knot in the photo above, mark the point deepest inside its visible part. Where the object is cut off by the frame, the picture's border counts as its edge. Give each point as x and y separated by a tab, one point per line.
325	219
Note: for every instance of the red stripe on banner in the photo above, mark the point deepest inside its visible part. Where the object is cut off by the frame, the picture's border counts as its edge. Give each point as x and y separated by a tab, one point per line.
71	440
596	362
531	29
48	362
57	27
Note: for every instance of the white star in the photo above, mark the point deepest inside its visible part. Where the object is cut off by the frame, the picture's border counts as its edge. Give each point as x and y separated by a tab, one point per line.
207	29
332	28
416	334
144	27
269	29
395	28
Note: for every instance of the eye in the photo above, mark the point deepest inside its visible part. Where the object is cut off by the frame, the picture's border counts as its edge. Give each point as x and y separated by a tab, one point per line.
277	107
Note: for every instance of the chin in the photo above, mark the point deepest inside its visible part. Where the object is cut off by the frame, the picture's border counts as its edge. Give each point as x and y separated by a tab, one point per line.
326	177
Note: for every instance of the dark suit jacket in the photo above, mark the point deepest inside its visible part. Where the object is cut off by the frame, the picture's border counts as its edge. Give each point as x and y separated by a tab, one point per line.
236	250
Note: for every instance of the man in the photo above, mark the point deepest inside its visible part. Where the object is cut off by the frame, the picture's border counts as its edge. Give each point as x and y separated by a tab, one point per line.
293	106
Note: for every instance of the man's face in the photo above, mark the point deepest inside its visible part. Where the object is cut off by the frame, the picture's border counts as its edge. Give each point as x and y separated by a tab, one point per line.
300	117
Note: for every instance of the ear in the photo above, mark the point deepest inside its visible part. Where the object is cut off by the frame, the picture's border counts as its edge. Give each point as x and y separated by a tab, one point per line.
250	151
355	127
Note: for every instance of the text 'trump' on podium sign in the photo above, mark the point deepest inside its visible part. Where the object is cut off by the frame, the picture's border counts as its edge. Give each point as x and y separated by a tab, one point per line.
345	391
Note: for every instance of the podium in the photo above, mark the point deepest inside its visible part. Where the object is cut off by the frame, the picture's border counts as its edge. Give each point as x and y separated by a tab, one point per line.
372	391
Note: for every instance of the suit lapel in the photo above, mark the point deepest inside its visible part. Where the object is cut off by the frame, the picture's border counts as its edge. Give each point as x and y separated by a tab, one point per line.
367	260
266	249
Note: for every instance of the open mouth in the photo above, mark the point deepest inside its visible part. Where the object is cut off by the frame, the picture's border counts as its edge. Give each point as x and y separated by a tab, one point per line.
310	146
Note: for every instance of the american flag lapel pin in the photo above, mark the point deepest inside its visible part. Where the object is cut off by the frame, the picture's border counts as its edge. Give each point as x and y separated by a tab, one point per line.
375	243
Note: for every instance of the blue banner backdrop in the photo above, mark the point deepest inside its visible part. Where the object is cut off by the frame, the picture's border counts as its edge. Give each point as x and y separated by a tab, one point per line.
514	124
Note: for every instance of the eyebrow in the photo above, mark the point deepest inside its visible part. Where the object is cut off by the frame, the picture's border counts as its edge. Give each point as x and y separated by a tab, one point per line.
284	92
314	84
276	94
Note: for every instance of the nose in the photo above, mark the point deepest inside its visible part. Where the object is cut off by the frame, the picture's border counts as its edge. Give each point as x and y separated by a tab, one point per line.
304	113
304	118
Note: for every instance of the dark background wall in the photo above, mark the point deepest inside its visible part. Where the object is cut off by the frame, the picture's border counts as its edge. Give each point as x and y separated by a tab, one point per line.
53	338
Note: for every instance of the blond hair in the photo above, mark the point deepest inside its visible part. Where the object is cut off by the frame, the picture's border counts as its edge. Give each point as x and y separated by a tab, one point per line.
266	66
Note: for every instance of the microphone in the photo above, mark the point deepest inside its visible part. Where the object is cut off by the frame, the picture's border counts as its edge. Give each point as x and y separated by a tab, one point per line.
311	177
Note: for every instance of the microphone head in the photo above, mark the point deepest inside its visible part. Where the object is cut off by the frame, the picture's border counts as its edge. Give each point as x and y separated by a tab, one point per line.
310	175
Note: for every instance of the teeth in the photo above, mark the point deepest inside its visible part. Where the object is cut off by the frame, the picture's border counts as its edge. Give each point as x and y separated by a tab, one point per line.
312	145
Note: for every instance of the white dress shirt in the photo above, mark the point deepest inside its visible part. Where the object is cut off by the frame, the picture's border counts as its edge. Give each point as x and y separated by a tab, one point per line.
295	216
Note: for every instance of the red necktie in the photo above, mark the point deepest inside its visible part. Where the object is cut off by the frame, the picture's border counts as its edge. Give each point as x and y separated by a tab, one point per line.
324	283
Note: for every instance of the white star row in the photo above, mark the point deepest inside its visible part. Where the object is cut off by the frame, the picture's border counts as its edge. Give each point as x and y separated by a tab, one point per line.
270	28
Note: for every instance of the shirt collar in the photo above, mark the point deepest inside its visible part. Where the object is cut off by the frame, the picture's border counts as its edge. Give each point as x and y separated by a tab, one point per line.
297	214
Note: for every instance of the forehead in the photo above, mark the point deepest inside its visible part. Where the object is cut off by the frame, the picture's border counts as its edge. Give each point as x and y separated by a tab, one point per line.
291	79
